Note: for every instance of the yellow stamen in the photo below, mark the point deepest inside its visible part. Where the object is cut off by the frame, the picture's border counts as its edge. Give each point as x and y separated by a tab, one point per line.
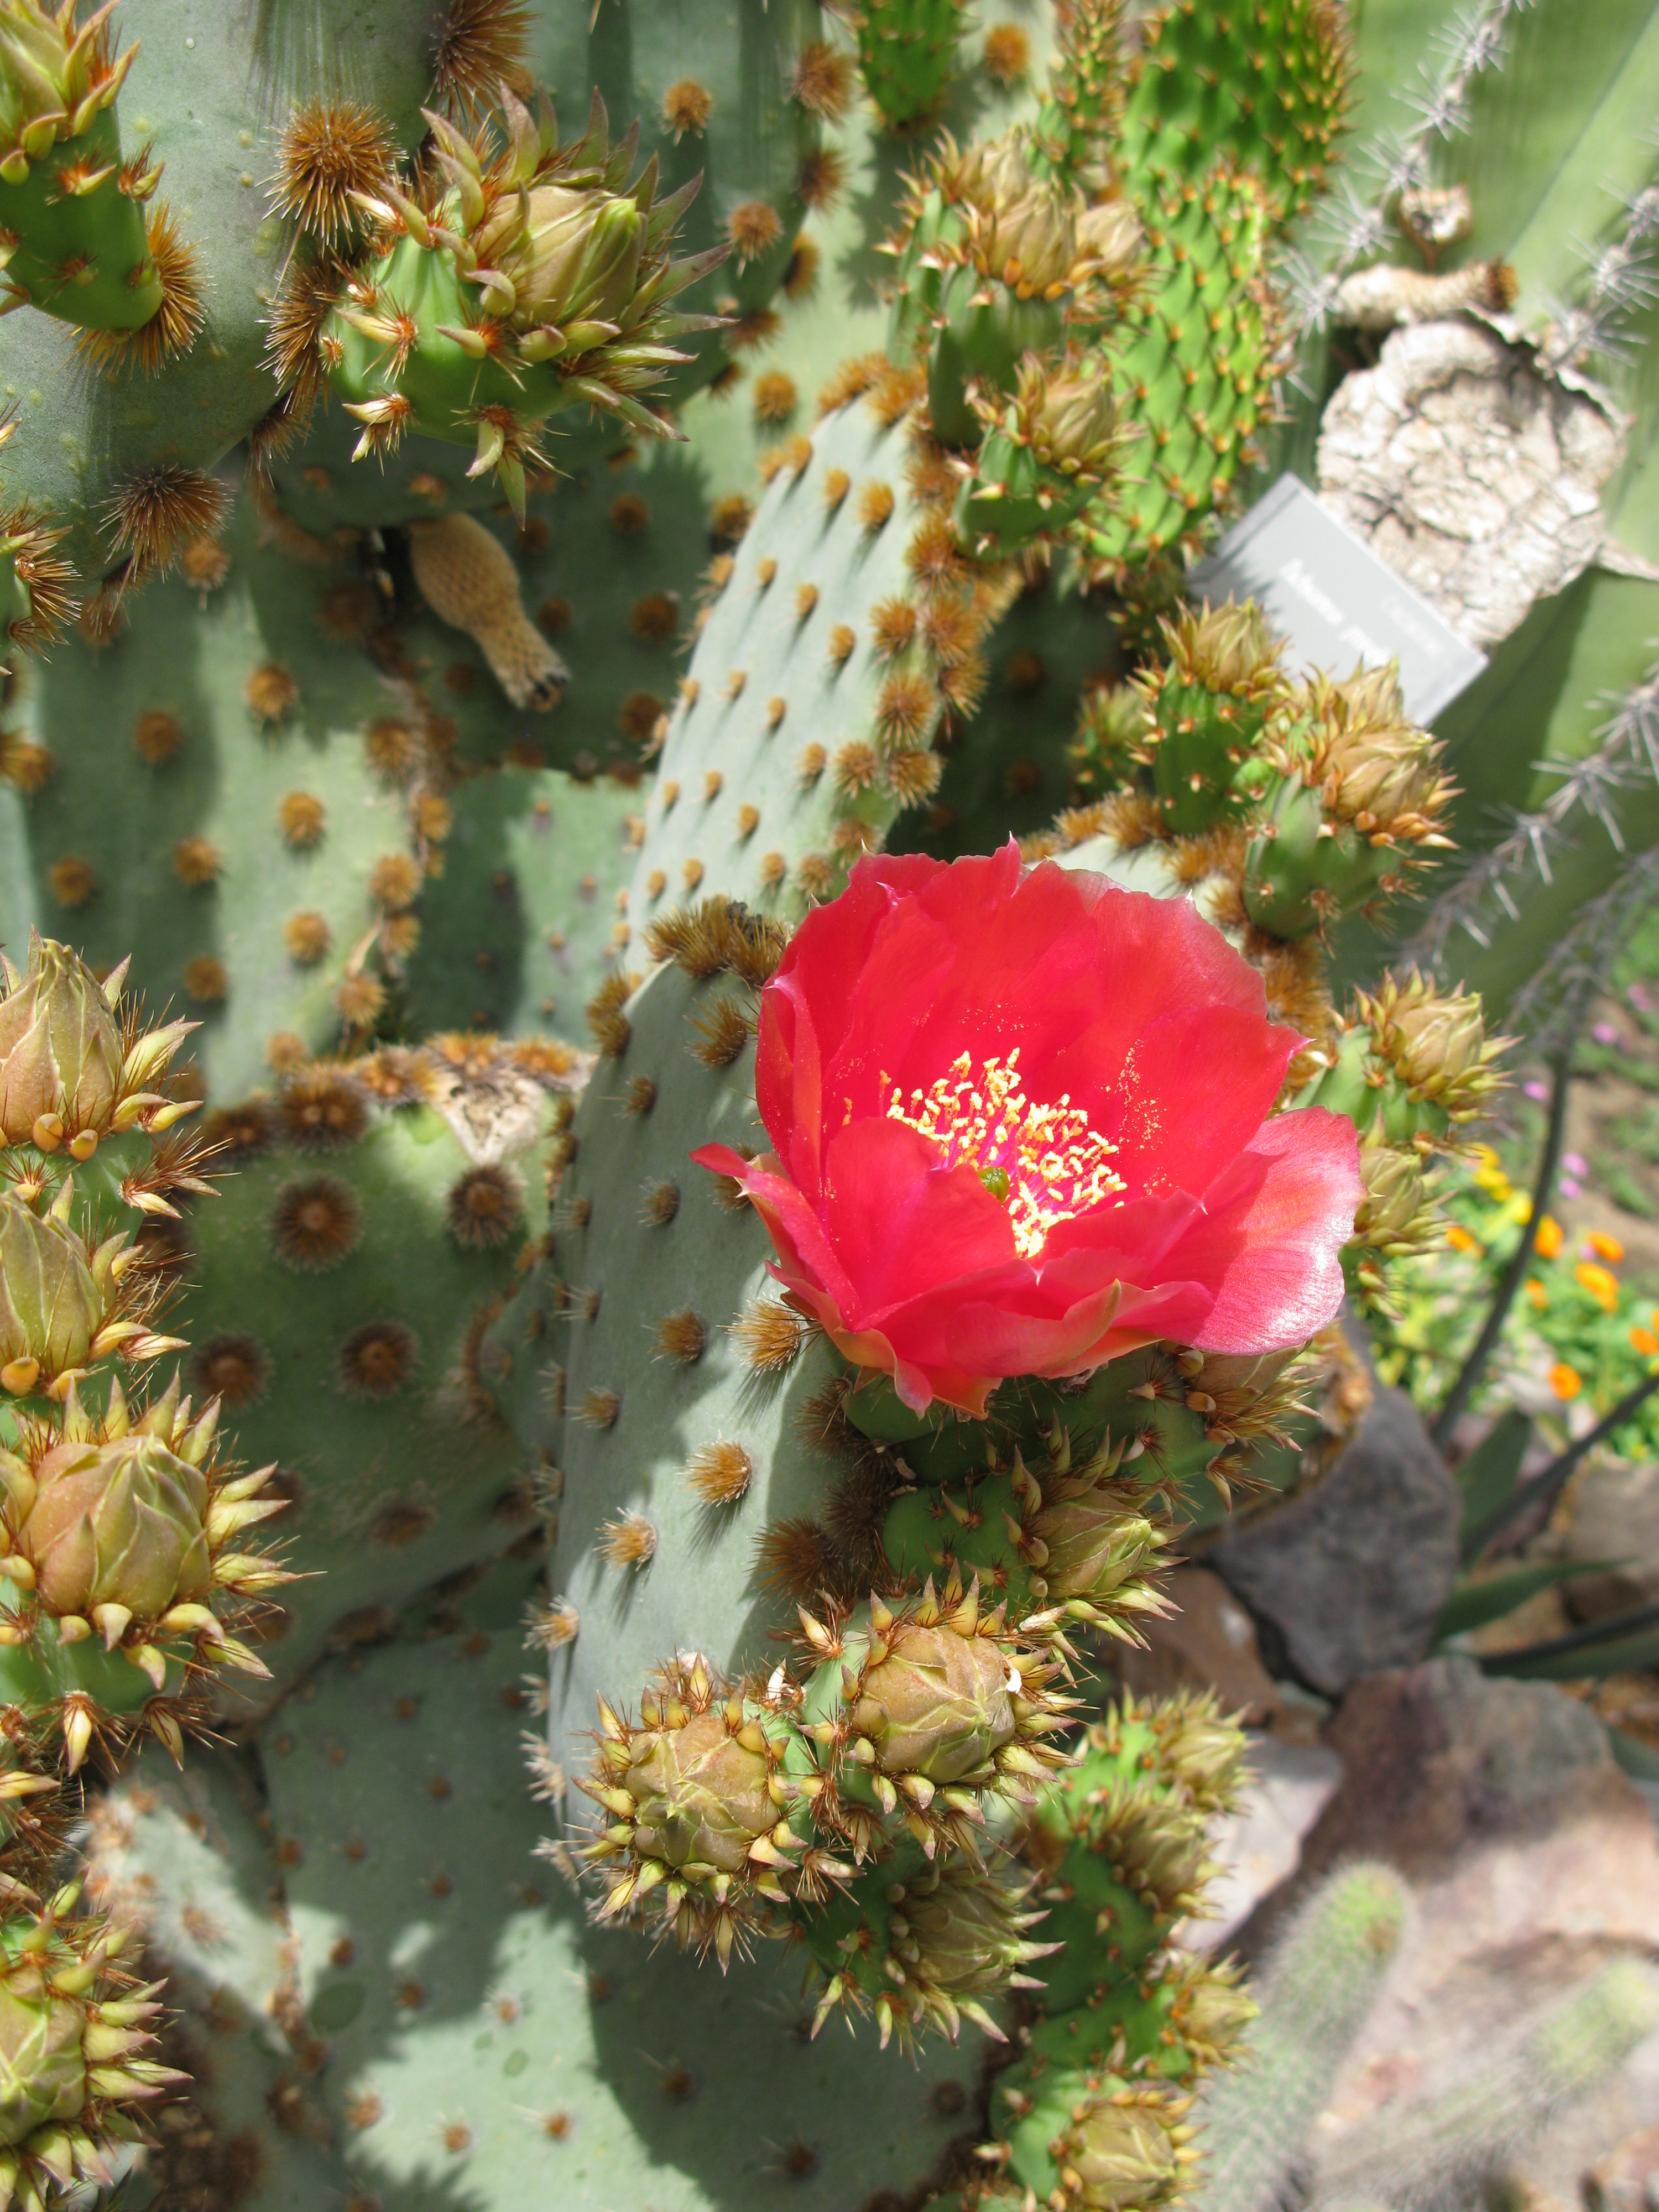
1045	1163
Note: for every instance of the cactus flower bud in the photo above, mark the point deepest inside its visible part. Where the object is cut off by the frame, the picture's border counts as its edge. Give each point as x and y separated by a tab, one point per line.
1394	1215
121	1524
1123	2152
1212	2012
1373	767
1206	1748
43	2073
575	256
1100	1545
700	1792
51	1303
1156	1846
1227	648
938	1705
1436	1046
967	1933
48	70
60	1048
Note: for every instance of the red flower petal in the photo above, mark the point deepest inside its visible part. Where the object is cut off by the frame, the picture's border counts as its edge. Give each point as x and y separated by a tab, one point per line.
1134	1008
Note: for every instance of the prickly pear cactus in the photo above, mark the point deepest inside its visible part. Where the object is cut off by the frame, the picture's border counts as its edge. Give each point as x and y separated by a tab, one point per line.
545	559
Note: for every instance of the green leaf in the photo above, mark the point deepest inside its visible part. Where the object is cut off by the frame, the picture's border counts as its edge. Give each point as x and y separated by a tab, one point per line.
1473	1604
1489	1475
1628	1654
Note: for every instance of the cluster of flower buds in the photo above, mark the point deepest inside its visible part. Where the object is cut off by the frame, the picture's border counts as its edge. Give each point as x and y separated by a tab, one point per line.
1360	799
506	285
996	259
736	1800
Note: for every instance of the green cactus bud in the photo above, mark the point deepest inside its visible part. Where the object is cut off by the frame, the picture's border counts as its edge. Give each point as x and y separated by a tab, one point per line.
1436	1046
60	1049
1156	1846
1210	707
68	1073
48	70
965	1934
1099	1546
70	2068
1211	2012
533	284
1044	458
921	1946
42	2067
1203	1747
1394	1215
701	1790
1125	2150
52	1302
117	1524
1112	731
936	1704
1373	767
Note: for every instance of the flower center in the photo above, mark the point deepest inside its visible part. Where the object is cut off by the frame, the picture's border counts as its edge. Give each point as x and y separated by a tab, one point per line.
1045	1163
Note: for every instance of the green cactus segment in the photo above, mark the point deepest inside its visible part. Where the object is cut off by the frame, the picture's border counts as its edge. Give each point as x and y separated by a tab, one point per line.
483	2036
74	2032
996	257
1078	125
1264	85
802	727
906	55
1170	1418
1317	1990
534	883
187	1856
540	280
1192	366
209	795
333	1284
71	211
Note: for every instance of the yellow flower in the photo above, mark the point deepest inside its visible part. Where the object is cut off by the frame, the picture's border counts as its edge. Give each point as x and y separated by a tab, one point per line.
1522	1209
1547	1242
1536	1294
1645	1342
1602	1285
1459	1238
1564	1381
1605	1246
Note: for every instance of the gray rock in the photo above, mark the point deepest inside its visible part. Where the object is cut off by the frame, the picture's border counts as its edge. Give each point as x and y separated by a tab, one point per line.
1352	1577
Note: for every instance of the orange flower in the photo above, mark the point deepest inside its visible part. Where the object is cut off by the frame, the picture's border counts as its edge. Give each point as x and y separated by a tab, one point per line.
1459	1238
1602	1285
1605	1246
1547	1242
1564	1381
1537	1295
1645	1342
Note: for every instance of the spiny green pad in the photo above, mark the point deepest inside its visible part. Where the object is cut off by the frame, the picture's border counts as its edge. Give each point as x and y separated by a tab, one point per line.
484	2036
1264	83
534	881
210	796
796	739
333	1286
1192	365
628	1324
907	54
